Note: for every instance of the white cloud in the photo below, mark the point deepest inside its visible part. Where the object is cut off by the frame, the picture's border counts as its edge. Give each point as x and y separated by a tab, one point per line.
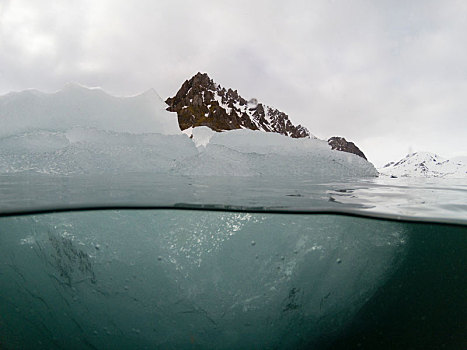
388	75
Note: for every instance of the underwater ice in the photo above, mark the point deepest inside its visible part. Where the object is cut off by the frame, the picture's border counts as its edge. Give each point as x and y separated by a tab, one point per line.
86	131
150	279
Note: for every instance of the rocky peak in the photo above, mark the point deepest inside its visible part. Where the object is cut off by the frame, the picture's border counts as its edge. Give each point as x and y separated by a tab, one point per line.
341	144
202	102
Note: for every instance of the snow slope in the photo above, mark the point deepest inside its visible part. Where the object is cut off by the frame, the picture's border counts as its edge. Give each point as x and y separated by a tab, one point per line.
425	164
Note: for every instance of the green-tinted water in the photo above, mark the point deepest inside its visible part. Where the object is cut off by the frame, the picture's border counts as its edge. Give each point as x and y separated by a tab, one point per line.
198	279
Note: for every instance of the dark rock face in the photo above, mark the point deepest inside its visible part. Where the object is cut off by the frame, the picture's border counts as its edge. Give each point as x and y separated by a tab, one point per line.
341	144
201	102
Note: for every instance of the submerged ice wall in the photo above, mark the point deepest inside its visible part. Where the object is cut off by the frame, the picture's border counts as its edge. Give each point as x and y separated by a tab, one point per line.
173	279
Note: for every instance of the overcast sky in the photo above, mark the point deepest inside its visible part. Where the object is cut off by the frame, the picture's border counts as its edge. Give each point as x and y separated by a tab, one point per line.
389	75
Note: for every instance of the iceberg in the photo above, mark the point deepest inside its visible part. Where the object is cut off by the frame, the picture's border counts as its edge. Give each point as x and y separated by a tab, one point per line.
79	106
80	271
81	151
256	153
86	131
168	279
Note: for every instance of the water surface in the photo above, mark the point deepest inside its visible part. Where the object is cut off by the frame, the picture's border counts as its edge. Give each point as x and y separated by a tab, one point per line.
435	200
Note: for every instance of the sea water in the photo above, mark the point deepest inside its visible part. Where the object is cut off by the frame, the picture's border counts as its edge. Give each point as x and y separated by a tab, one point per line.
419	199
205	263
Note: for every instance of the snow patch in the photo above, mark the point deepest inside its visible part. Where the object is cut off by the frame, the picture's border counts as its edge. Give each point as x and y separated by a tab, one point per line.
202	135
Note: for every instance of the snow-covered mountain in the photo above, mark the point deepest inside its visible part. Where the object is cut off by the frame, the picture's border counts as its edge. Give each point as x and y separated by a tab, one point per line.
425	164
202	102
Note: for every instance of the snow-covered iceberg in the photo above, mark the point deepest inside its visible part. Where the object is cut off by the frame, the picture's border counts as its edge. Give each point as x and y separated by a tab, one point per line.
83	131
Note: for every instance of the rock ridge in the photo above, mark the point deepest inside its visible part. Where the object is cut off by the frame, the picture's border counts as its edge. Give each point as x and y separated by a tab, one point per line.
341	144
202	102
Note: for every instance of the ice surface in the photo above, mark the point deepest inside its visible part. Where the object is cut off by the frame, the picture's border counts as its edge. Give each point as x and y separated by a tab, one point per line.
257	153
136	279
233	153
253	141
78	106
90	151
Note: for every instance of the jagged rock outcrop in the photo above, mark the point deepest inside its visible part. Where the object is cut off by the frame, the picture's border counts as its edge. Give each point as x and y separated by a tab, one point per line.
341	144
202	102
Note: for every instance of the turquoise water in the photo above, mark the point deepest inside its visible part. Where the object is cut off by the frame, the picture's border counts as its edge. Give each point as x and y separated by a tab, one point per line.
184	279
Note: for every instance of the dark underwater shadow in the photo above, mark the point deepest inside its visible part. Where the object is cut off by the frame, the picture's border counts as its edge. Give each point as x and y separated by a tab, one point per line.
423	305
